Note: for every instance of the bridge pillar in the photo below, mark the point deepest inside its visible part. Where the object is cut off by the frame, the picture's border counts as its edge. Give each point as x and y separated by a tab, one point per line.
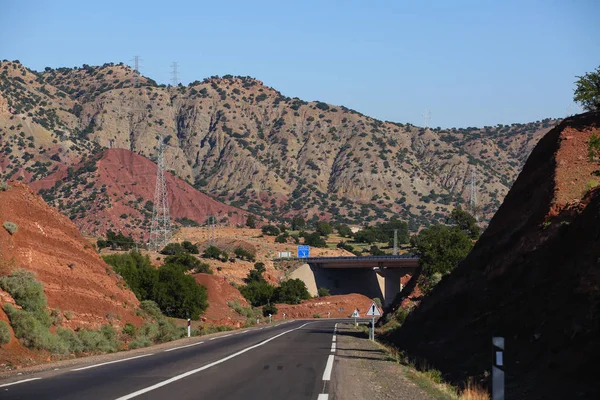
391	284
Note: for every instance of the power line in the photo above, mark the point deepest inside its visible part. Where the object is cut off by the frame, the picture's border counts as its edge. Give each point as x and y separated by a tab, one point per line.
427	117
136	69
160	231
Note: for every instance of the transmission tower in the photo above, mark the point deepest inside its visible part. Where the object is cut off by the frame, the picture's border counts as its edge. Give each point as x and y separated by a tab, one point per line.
160	232
473	198
395	242
136	68
427	117
174	74
211	230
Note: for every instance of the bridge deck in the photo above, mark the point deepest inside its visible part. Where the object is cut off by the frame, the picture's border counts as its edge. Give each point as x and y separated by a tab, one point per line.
401	261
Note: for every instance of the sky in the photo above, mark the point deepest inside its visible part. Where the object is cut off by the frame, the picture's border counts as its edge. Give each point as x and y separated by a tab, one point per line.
465	62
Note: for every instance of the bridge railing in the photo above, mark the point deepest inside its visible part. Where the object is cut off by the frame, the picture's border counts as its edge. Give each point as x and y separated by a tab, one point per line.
350	258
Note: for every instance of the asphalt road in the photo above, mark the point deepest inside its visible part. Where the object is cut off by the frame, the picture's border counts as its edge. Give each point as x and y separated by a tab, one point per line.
288	361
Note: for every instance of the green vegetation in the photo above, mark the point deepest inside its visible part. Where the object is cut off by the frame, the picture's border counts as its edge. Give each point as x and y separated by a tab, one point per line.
314	239
270	230
156	329
4	333
244	254
177	294
323	292
190	262
4	186
11	227
383	232
215	253
324	228
594	147
465	222
298	223
251	221
32	322
587	92
250	313
269	309
116	241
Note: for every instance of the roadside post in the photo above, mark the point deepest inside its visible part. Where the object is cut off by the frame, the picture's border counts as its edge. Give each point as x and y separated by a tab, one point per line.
355	315
189	327
270	319
374	312
328	314
284	316
498	369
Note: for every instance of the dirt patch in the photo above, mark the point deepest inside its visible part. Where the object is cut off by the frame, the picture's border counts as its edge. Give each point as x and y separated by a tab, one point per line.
220	292
339	306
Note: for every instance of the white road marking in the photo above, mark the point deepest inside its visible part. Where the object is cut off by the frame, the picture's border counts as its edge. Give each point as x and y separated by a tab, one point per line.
334	338
17	382
333	347
335	325
323	396
182	347
110	362
194	371
328	368
219	337
246	331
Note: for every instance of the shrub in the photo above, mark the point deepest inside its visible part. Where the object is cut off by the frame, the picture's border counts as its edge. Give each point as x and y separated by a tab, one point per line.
291	291
28	293
377	301
324	292
258	293
270	230
324	228
189	247
178	295
282	238
401	314
214	253
129	329
4	186
316	315
70	339
172	248
315	240
269	309
243	254
190	262
4	333
251	221
104	340
11	227
32	333
138	272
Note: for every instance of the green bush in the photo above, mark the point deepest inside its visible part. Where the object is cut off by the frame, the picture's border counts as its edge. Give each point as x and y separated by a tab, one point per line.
151	310
258	293
315	240
190	262
11	227
316	315
243	254
129	329
71	340
270	230
4	186
324	292
178	295
214	253
250	313
269	309
172	248
282	238
189	247
291	291
377	301
104	340
4	333
138	272
32	333
27	293
401	314
324	228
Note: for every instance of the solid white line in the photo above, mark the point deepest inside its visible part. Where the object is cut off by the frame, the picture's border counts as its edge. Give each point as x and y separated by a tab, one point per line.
110	362
336	325
182	347
246	331
323	396
17	382
328	368
333	347
334	338
194	371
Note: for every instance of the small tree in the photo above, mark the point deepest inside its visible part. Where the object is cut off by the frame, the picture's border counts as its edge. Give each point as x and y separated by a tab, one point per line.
298	223
465	222
594	147
324	228
270	230
587	92
324	292
251	221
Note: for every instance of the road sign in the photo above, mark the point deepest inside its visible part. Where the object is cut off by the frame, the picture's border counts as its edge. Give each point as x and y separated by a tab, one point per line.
303	251
356	314
374	311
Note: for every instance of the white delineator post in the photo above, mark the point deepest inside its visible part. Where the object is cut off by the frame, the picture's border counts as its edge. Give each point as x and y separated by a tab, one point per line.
270	319
284	316
189	327
373	329
498	369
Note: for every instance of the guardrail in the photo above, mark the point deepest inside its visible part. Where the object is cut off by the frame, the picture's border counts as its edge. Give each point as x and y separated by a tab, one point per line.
351	258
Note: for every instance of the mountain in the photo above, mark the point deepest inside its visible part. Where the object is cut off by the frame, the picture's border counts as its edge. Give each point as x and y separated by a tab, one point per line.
251	147
113	190
533	277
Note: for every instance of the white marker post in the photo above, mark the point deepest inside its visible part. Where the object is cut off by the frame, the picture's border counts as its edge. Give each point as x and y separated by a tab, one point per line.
189	327
498	369
284	316
373	312
328	314
270	318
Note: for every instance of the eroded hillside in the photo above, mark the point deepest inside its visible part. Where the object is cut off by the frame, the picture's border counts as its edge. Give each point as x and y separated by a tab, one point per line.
252	147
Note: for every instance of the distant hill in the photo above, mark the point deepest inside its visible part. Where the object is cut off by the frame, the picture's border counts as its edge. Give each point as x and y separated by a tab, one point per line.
253	148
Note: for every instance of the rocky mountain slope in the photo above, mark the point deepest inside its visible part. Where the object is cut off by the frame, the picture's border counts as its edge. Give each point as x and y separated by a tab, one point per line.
533	278
251	147
114	190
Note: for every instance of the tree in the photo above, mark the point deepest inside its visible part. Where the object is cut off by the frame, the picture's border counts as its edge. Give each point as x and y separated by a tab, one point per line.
315	240
291	291
298	223
587	92
324	292
465	222
172	249
251	221
214	253
324	228
190	262
178	295
189	247
441	248
344	230
594	147
258	293
270	230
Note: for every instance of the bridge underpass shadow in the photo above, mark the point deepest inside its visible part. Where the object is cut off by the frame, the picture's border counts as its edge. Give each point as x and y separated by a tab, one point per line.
348	280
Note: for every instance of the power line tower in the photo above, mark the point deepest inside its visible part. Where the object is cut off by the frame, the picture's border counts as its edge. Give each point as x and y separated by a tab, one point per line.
427	117
395	242
473	197
136	68
160	232
174	74
211	230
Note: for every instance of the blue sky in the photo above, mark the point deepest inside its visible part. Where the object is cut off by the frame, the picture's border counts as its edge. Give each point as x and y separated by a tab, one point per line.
470	63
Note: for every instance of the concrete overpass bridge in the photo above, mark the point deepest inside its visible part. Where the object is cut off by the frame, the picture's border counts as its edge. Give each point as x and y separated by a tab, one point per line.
373	276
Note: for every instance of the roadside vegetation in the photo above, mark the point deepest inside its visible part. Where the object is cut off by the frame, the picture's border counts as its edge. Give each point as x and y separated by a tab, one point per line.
177	294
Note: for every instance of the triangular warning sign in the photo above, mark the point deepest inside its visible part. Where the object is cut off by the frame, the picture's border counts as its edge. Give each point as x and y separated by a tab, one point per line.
374	311
355	314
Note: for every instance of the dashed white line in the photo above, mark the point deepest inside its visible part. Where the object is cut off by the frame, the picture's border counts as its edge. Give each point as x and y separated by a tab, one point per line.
333	347
219	337
333	338
17	382
111	362
323	396
183	347
328	368
186	374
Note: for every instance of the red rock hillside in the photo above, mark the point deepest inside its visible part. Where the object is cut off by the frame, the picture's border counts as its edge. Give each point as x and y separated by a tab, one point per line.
75	279
533	277
112	191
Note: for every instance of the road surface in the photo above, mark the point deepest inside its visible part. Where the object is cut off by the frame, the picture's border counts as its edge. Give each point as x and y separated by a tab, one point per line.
292	360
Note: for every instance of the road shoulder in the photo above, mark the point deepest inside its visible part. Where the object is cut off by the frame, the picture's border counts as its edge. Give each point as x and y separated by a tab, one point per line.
364	371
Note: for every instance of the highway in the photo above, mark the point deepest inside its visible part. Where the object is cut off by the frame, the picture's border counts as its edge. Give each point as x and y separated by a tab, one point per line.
292	360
